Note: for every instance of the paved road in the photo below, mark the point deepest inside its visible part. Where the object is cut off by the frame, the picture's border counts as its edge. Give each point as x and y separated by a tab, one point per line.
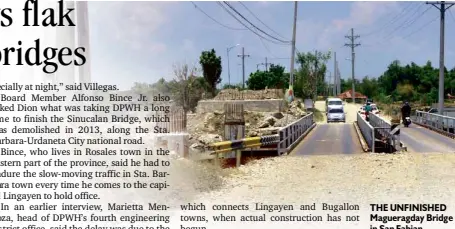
327	139
419	139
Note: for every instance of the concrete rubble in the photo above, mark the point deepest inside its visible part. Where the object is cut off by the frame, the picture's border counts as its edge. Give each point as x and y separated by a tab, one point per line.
207	128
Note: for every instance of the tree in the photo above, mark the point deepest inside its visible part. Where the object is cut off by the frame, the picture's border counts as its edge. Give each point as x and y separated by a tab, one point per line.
414	83
211	68
310	77
273	78
258	80
187	88
160	87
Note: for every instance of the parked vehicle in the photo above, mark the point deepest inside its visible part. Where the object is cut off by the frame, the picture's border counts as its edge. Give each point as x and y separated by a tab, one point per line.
333	103
336	115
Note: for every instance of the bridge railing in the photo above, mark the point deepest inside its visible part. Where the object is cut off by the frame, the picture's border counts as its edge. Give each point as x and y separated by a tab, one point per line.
384	129
291	134
288	137
226	147
367	131
440	123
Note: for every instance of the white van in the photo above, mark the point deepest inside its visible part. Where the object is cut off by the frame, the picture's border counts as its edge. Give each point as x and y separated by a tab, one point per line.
336	103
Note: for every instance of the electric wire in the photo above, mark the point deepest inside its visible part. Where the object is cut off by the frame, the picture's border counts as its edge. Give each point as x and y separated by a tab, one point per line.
393	21
266	47
259	35
262	41
254	26
410	22
451	15
406	20
422	27
213	19
276	33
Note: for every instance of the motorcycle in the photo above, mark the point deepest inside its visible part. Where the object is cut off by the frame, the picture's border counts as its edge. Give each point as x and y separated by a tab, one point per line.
407	121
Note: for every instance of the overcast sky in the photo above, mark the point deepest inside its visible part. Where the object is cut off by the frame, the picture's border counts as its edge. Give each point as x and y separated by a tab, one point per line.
140	41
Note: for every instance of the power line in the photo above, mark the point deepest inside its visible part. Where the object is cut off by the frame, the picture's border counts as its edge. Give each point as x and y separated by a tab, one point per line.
213	19
241	3
391	22
451	15
254	26
409	34
266	47
420	28
230	13
408	21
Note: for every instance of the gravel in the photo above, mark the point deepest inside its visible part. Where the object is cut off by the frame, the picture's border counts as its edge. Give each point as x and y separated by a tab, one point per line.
360	179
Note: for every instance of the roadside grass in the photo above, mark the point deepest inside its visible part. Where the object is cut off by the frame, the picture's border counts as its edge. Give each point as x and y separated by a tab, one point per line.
318	116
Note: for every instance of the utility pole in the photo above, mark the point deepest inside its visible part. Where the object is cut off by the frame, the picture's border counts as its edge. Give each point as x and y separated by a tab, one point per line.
243	65
266	64
229	67
338	80
291	80
442	8
328	84
352	45
334	74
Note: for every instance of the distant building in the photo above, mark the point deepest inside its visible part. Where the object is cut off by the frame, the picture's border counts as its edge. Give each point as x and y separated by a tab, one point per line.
347	96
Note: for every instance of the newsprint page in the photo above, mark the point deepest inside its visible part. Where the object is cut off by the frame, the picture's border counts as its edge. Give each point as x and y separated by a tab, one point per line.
213	115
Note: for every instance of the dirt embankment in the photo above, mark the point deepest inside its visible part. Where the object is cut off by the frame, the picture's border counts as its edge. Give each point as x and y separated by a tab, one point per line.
207	128
357	179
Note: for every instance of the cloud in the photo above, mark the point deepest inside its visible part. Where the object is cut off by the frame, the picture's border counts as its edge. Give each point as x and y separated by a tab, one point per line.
329	35
364	14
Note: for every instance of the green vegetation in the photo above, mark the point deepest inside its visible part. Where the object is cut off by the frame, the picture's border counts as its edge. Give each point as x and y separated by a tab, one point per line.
310	75
417	84
275	77
318	116
211	69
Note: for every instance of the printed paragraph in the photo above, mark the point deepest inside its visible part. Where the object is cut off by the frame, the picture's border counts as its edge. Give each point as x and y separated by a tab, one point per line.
72	156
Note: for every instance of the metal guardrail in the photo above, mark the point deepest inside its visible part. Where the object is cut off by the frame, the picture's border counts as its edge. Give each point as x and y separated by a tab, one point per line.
291	134
384	128
440	123
287	138
367	131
